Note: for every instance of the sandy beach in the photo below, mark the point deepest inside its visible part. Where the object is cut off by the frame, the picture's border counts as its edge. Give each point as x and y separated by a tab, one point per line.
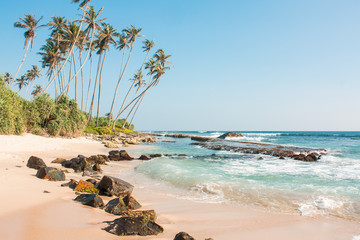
27	212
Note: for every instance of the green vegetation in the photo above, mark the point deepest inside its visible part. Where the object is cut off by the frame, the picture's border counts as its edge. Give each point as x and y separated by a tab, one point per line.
65	54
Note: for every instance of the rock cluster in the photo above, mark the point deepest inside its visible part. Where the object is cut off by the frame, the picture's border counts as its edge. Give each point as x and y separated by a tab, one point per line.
230	134
122	139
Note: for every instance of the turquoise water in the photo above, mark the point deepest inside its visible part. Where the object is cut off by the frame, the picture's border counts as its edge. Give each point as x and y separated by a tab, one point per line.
329	186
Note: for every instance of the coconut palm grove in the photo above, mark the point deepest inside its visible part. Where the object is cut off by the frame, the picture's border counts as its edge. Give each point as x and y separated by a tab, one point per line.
72	59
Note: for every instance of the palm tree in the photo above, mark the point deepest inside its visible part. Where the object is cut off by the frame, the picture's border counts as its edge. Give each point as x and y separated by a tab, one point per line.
22	82
129	36
37	91
93	24
161	57
83	2
31	25
105	38
156	70
57	25
8	78
51	58
31	75
148	45
91	48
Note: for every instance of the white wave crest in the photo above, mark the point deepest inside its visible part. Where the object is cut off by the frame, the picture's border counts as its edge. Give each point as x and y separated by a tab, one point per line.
320	206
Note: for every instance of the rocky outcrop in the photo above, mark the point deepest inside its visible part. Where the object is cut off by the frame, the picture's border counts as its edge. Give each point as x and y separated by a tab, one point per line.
296	153
230	134
127	226
178	135
144	157
125	139
92	200
84	186
155	155
111	186
109	144
121	155
183	236
100	159
50	173
35	162
201	139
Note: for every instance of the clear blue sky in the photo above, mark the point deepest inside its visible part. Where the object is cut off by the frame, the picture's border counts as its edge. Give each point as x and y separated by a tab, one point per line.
238	65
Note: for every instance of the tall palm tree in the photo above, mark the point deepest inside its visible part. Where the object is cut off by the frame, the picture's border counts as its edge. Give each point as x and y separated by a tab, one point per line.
93	24
148	45
105	38
156	70
37	91
22	82
8	78
130	33
82	4
91	48
32	75
57	25
161	57
31	25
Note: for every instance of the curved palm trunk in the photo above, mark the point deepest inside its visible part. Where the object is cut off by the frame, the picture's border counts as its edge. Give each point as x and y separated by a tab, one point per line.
82	83
127	117
99	96
77	72
67	92
71	50
29	89
23	60
136	98
88	93
73	57
117	85
142	98
93	97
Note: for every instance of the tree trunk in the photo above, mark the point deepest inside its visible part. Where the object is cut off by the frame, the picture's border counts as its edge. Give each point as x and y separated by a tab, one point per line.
93	97
71	50
23	60
73	57
121	75
99	97
88	93
82	83
136	110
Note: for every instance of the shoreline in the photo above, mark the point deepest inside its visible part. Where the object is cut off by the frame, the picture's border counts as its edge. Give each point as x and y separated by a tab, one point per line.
29	213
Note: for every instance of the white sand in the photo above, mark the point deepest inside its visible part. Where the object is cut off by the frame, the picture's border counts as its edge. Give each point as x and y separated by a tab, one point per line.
26	212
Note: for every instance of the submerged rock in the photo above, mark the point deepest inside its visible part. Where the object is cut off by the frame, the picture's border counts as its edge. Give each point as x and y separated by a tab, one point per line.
92	200
35	162
114	186
183	236
126	226
50	173
155	155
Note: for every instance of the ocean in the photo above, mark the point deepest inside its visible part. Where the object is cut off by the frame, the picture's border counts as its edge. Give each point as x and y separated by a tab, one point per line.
330	186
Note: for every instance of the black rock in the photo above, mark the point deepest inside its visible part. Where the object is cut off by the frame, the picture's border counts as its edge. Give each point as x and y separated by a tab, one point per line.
144	157
50	173
92	200
155	155
72	184
183	236
110	186
35	162
121	155
126	226
131	203
115	206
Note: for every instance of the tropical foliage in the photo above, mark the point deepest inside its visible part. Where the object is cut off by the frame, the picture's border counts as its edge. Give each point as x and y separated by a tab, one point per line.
64	56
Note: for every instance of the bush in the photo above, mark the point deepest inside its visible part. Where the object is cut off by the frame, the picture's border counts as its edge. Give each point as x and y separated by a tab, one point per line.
11	111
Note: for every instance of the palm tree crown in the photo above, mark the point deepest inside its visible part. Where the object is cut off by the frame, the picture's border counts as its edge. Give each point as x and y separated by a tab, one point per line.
30	24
